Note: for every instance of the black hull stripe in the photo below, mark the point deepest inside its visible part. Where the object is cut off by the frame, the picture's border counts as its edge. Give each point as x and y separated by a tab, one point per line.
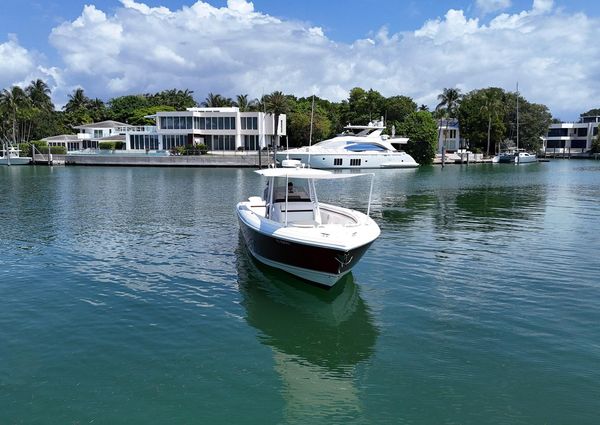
325	260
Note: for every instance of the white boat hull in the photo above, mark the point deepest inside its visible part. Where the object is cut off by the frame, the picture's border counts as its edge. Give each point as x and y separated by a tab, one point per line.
15	161
363	160
320	254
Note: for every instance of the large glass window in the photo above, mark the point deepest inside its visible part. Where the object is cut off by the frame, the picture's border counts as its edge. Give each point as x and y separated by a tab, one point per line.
251	142
232	122
558	132
170	123
214	124
163	122
582	132
243	123
254	123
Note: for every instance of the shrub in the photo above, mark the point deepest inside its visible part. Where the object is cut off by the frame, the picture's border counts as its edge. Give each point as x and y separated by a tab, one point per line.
54	150
107	145
119	145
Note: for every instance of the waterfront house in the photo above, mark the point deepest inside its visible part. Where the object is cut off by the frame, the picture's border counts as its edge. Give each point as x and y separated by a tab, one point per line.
89	136
571	137
448	135
219	129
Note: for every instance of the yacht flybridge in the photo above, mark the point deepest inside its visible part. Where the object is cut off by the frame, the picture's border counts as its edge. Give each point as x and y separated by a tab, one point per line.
359	146
288	228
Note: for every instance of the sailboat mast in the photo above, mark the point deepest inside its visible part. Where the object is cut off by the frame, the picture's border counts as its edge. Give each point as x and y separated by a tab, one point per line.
517	117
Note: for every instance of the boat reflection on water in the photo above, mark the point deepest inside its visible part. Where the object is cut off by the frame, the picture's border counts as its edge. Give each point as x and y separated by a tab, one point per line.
319	338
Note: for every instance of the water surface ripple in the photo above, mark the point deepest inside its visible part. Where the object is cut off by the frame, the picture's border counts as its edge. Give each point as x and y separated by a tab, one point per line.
128	297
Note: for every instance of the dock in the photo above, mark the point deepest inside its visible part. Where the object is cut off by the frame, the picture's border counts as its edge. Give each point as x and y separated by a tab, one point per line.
233	160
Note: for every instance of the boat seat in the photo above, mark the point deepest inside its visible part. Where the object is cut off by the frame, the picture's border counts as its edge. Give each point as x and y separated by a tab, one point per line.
297	212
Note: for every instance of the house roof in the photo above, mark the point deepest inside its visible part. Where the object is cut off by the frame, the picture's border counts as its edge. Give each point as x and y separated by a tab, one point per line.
101	124
62	138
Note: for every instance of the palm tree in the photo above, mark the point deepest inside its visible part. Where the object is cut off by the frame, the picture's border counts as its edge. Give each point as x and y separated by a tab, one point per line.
77	101
448	107
276	103
214	101
39	93
449	102
242	102
491	108
12	102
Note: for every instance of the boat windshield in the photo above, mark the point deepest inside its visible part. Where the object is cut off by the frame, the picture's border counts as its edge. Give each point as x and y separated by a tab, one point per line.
360	147
296	189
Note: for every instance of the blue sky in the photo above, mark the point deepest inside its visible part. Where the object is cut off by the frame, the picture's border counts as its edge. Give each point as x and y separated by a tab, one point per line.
415	48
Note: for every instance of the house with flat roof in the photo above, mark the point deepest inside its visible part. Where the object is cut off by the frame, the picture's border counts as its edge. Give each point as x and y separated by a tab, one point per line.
220	129
571	137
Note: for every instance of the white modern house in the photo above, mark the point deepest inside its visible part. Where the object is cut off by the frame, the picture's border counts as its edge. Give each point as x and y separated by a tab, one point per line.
571	137
89	136
220	129
448	135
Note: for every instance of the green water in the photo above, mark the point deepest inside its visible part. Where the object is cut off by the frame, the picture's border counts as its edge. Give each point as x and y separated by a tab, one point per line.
127	297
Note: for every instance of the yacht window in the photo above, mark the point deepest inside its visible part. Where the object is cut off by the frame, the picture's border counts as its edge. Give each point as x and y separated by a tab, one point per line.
355	162
337	161
360	147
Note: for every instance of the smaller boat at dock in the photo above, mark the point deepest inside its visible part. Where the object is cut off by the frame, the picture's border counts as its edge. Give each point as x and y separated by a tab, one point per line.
10	155
289	229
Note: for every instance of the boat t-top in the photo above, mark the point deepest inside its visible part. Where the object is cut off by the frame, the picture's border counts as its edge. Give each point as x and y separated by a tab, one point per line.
359	146
288	228
9	155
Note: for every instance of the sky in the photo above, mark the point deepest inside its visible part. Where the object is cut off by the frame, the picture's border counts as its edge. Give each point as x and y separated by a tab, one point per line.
414	48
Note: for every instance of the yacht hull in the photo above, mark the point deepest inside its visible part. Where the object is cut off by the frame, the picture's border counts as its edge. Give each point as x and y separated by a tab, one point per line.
364	160
322	265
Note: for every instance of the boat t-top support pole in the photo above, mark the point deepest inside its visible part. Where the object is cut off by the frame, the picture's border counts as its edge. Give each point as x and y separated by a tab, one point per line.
286	197
370	194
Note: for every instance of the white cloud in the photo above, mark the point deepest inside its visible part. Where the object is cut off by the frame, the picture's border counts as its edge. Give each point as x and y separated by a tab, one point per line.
489	6
15	61
237	49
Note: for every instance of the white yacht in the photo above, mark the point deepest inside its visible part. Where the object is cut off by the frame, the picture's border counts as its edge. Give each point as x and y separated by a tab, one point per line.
10	155
289	229
359	146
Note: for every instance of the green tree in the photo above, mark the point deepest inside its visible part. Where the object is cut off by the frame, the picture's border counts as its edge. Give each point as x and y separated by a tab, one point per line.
596	144
421	129
592	113
481	115
299	124
449	102
39	94
177	99
14	104
244	103
276	104
138	116
215	100
534	120
77	101
397	108
122	108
